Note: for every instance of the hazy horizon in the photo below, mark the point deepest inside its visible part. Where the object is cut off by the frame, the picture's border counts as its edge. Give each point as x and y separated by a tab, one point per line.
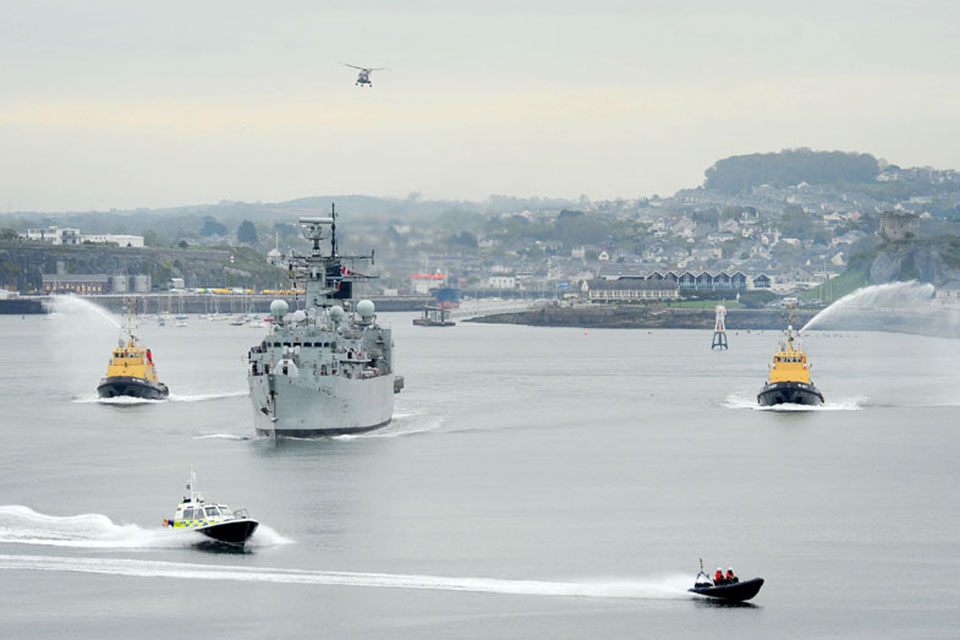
114	105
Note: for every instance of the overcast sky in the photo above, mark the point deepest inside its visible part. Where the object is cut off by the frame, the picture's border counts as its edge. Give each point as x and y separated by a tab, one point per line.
123	104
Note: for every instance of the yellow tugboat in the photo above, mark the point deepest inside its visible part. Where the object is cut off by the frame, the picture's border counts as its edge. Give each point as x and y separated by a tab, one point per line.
789	378
131	372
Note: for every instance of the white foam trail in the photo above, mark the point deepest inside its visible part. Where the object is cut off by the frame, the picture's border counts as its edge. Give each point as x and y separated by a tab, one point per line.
222	436
892	295
127	400
395	429
203	397
671	587
74	304
842	404
20	524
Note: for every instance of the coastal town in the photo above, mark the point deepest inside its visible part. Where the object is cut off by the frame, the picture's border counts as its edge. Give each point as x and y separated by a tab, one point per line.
707	242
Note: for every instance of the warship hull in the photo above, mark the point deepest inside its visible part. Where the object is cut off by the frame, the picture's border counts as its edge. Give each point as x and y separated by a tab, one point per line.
129	386
286	407
790	393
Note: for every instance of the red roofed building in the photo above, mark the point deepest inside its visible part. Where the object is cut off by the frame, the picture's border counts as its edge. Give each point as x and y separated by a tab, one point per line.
422	283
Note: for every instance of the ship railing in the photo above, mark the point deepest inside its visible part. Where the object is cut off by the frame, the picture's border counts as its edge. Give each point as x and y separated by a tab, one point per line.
241	514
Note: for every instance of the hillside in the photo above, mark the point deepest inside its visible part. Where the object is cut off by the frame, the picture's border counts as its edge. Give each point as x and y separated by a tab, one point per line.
21	265
791	167
935	260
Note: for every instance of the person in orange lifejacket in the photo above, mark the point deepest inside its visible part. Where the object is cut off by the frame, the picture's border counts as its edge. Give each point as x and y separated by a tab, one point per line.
149	356
731	577
718	577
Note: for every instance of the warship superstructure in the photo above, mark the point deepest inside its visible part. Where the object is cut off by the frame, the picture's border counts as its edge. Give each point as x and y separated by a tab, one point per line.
326	369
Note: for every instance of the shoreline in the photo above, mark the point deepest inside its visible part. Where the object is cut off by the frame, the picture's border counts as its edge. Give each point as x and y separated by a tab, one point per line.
647	317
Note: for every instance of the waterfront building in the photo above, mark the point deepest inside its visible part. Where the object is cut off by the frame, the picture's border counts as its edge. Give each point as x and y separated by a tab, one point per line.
53	235
628	291
94	283
56	236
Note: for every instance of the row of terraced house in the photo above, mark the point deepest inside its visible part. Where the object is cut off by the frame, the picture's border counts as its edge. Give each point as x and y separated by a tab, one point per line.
661	286
707	281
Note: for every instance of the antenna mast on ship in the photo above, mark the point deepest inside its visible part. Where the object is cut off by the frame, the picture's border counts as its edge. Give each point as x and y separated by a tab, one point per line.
192	484
333	230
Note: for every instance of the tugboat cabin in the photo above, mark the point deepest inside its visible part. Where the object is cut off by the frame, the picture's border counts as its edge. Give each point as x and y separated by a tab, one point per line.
790	365
132	361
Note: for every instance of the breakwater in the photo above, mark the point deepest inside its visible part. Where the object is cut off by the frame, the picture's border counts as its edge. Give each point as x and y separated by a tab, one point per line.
928	320
591	317
21	306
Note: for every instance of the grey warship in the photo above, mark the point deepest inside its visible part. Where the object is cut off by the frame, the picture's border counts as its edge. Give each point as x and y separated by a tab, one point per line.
327	369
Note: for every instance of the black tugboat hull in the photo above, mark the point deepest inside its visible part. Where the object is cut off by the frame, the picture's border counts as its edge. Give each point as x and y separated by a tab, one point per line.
737	592
231	532
790	393
128	386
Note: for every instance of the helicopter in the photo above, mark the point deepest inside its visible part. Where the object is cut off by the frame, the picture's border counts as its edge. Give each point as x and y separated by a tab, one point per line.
364	77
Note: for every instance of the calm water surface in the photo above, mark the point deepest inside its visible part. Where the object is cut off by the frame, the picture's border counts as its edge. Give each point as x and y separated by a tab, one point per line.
535	483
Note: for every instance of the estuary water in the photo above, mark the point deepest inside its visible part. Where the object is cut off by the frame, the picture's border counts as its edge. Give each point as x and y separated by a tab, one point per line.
536	483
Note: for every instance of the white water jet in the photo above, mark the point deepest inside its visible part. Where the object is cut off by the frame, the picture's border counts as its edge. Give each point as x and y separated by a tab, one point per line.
75	304
878	297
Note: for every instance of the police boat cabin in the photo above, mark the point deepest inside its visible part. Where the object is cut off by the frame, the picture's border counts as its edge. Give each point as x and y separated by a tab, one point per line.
131	372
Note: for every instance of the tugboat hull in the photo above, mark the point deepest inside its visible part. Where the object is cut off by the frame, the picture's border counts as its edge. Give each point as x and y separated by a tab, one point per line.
128	386
790	393
231	532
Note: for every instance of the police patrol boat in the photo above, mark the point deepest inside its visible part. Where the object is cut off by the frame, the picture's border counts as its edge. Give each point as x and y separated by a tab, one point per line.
789	381
131	371
216	521
327	369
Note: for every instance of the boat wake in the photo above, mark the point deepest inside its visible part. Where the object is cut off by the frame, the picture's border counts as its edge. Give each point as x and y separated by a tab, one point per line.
120	401
672	587
734	401
401	425
129	401
223	436
203	397
20	524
